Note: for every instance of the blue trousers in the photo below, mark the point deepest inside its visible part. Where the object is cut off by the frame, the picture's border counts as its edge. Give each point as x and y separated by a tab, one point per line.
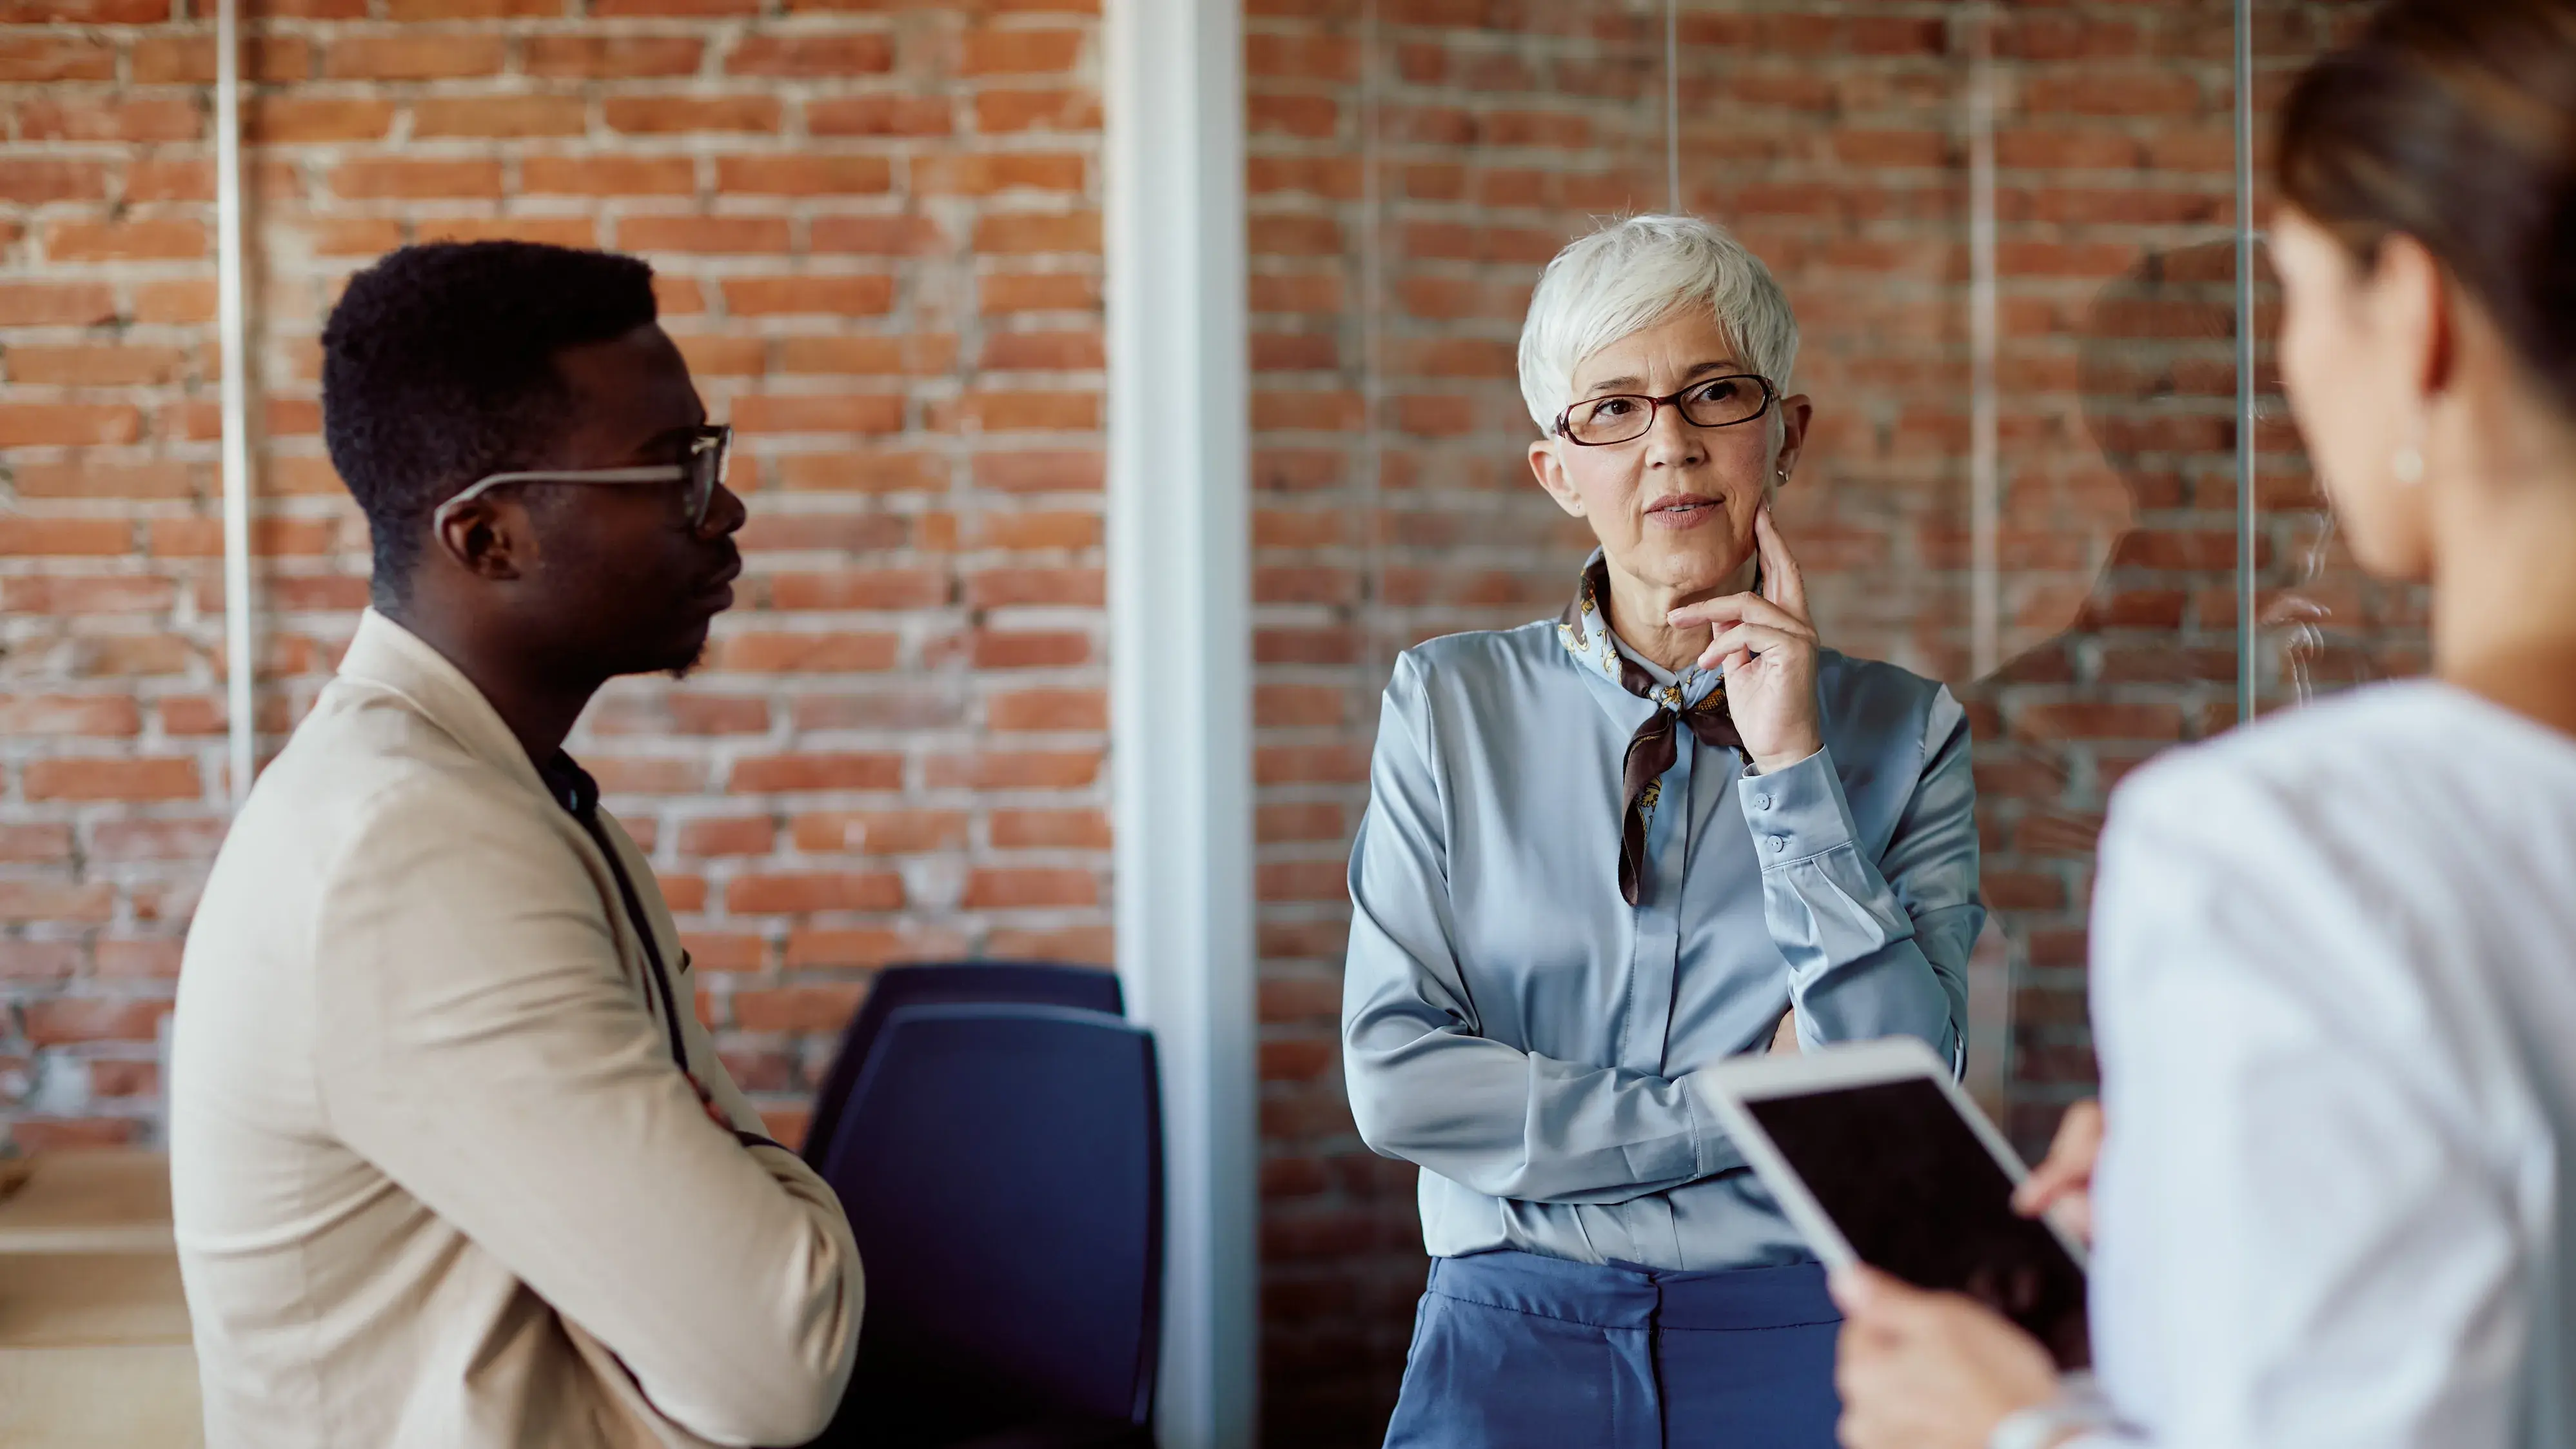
1518	1351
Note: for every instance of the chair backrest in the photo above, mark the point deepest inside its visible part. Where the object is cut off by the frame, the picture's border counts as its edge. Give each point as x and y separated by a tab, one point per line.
1039	983
1002	1169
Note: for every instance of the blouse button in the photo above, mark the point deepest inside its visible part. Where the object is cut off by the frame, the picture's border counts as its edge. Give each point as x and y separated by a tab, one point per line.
1762	802
1779	843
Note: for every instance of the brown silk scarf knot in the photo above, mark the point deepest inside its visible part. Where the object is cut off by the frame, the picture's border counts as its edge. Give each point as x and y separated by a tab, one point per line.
1584	629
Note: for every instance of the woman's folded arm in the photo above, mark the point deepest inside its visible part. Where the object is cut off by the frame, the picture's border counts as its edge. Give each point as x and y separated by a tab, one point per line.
1424	1086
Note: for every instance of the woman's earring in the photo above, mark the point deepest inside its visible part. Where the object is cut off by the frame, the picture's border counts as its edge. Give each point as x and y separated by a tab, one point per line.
2408	464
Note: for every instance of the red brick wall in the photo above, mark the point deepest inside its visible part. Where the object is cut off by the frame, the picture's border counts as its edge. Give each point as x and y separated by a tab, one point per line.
1413	162
1396	227
877	228
2118	378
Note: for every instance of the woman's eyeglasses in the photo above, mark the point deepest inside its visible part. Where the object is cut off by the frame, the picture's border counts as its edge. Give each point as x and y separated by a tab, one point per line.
1719	402
701	467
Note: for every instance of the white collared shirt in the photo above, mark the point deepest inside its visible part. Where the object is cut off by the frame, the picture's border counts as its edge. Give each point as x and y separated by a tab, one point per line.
2335	996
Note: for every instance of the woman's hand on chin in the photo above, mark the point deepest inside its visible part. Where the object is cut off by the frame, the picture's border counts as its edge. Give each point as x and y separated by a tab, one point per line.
1922	1370
1766	645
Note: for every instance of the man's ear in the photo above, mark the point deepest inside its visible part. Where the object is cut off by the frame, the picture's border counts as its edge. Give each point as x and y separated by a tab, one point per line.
1551	476
488	537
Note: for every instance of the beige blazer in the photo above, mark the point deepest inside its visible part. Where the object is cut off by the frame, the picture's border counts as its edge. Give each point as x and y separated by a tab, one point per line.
437	1181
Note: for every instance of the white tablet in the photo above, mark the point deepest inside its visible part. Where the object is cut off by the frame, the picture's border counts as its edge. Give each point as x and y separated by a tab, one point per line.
1877	1157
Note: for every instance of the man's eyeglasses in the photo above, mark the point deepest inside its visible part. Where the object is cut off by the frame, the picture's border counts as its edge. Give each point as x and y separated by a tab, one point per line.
700	468
1720	402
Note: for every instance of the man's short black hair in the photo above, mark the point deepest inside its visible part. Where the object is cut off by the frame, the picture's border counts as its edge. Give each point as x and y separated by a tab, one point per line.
438	369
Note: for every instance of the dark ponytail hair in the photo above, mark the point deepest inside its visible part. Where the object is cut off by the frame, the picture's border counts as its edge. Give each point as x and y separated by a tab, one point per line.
2454	122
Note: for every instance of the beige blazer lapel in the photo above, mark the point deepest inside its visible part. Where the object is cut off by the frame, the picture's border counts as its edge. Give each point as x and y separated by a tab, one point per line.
386	656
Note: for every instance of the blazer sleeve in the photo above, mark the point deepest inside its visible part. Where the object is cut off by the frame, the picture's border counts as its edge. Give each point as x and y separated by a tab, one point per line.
481	1045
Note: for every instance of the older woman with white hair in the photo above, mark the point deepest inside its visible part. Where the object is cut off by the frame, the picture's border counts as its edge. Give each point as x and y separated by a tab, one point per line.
1607	850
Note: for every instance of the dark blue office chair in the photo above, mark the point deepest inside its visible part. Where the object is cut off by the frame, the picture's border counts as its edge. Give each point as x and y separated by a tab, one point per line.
1035	982
1002	1168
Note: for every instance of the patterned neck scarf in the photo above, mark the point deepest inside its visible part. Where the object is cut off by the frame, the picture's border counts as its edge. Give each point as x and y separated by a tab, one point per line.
1585	631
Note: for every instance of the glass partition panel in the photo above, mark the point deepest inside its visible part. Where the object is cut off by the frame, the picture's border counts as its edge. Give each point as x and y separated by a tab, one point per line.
1492	149
2320	624
2112	510
1414	164
2011	234
1838	148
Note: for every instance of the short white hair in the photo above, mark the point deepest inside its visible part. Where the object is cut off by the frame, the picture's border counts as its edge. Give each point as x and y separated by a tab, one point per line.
1632	274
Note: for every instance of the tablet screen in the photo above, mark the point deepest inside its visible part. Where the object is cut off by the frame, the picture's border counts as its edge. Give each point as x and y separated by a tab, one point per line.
1916	1193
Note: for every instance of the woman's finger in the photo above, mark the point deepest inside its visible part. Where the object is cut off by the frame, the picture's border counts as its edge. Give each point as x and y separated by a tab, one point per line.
1748	640
2052	1179
1783	582
2082	1126
1862	1291
2068	1168
1853	1288
2073	1215
1762	637
2055	1176
1733	609
1725	609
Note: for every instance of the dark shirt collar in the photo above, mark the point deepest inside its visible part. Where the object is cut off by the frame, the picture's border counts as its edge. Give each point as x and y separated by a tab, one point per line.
570	785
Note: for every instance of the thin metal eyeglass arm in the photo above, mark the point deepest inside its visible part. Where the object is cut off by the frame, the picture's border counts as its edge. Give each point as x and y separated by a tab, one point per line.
654	473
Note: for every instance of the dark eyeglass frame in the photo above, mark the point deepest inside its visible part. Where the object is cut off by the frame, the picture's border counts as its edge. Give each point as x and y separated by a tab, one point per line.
1655	405
701	467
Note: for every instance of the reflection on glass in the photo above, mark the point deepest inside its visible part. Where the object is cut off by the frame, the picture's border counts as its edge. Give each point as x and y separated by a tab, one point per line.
2320	624
2146	654
1413	164
2077	583
1492	147
1839	149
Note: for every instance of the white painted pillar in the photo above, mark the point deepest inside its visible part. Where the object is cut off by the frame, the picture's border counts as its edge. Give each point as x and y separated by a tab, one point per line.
1181	668
233	329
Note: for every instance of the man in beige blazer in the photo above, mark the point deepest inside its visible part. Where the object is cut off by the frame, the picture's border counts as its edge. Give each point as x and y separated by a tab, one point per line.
453	1161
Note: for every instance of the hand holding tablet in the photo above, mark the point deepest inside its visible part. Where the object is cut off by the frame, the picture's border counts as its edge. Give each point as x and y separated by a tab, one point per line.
1877	1157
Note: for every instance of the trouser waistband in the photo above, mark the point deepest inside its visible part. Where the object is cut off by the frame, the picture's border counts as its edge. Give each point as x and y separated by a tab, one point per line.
1624	1295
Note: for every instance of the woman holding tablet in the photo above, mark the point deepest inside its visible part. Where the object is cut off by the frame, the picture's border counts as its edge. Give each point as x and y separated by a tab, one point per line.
2335	952
1606	850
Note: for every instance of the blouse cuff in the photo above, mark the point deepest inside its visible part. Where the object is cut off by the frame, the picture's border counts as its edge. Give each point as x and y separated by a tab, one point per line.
1798	812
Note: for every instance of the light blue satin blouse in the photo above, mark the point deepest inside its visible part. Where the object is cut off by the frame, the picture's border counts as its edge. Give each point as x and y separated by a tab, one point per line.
1526	1037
